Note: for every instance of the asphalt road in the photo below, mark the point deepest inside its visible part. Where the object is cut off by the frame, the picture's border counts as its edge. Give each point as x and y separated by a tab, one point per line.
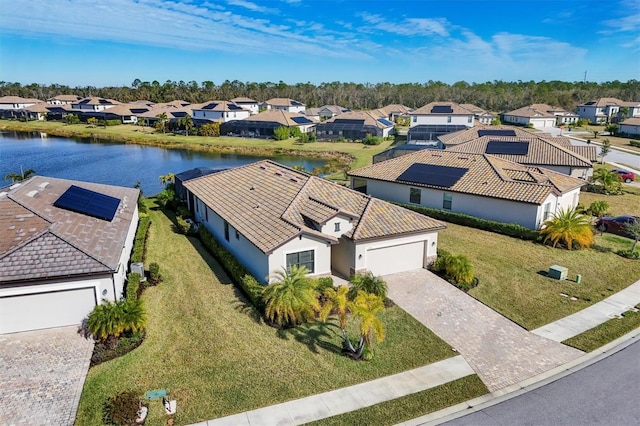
604	393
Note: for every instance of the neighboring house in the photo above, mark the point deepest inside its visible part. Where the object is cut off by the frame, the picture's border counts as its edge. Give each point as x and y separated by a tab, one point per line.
264	123
63	100
220	111
12	106
93	105
398	151
630	127
285	104
249	104
606	110
64	247
173	114
394	111
126	113
329	111
42	111
181	178
532	151
479	185
313	114
355	125
482	116
456	138
436	119
271	217
536	116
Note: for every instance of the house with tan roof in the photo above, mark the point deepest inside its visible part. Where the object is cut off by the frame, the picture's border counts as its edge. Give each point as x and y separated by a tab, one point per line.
220	112
534	151
63	99
630	126
93	104
263	124
16	102
284	104
394	111
455	138
249	104
536	116
272	217
482	116
43	111
480	185
355	125
436	119
606	110
64	247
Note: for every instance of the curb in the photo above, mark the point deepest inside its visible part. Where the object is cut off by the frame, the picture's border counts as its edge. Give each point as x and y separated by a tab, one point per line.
494	398
597	143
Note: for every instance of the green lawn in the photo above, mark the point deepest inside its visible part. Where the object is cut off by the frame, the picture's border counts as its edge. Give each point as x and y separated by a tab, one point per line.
357	154
627	203
512	273
607	332
206	346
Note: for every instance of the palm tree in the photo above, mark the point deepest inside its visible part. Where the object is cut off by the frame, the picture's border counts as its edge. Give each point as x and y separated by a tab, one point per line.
568	226
133	315
292	299
163	117
609	180
368	283
104	321
366	307
187	123
337	299
24	175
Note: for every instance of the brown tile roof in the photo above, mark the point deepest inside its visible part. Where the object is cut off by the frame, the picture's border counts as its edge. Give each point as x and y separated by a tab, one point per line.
532	111
65	98
283	102
244	100
475	109
370	118
457	109
602	102
541	152
268	204
28	214
282	117
588	152
395	108
96	101
486	175
18	100
462	136
635	121
125	109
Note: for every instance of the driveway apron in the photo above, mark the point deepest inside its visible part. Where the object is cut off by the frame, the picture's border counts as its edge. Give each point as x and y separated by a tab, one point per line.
501	352
41	375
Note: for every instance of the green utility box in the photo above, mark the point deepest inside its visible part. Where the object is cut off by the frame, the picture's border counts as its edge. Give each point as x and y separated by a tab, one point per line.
558	272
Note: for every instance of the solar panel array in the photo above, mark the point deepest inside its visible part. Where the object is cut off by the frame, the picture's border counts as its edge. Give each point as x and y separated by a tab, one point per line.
507	148
496	132
87	202
431	174
385	121
301	120
296	103
234	107
442	109
210	106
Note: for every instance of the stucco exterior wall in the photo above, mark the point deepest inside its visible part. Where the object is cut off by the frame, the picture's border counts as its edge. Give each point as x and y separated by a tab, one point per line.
466	120
330	227
629	129
322	254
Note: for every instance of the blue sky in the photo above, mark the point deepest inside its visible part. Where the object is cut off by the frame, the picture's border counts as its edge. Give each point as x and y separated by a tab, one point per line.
101	43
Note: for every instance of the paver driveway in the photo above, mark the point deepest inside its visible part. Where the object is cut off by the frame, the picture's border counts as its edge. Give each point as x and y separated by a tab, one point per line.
501	352
41	375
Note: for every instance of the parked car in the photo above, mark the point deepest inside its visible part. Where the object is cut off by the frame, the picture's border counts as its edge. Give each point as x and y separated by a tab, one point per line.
625	175
616	225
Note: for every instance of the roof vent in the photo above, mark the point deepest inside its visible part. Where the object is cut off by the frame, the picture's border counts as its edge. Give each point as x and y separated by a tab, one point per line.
14	186
43	185
3	194
32	193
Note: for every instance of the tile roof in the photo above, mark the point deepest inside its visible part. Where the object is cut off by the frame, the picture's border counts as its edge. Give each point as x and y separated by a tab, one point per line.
65	98
466	135
602	102
282	117
457	109
588	152
27	214
218	106
283	102
475	109
541	152
244	100
635	121
18	100
396	109
96	101
486	175
269	204
532	111
370	118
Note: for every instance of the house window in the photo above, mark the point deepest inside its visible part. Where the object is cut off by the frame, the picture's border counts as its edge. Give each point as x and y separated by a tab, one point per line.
414	119
336	227
237	235
449	119
446	201
414	195
360	185
469	119
303	258
546	212
226	230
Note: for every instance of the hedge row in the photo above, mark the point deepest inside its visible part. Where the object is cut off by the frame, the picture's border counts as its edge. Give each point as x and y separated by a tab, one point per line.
509	229
133	283
238	273
634	143
139	246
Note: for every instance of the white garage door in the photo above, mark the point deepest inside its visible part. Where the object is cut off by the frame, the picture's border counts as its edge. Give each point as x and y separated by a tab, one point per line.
399	258
45	310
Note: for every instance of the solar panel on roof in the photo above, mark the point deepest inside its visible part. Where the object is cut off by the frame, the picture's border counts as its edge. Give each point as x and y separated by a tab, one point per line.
442	109
431	174
139	110
104	102
179	114
210	106
87	202
233	107
85	101
504	147
496	132
385	121
301	120
296	103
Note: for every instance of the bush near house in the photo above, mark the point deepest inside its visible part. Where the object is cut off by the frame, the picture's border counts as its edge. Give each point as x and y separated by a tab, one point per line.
634	143
139	243
458	270
509	229
133	284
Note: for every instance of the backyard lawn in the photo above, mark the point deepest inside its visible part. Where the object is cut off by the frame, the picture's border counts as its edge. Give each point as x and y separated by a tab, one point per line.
513	280
206	346
627	203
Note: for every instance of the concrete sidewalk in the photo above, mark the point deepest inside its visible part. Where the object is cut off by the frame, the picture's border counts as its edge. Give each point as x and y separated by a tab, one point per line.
340	401
594	315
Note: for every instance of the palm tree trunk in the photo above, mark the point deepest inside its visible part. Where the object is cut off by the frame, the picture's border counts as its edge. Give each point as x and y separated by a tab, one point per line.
347	342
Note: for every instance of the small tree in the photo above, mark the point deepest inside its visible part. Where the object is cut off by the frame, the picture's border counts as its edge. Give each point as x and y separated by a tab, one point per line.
291	300
610	181
71	119
633	229
211	129
19	177
604	149
598	208
161	124
366	307
186	123
568	226
595	133
92	121
281	133
612	129
337	299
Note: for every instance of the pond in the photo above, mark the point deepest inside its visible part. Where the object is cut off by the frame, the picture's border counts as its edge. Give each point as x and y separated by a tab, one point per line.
113	163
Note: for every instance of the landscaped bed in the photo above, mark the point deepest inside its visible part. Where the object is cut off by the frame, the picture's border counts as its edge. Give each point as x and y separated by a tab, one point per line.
512	273
207	347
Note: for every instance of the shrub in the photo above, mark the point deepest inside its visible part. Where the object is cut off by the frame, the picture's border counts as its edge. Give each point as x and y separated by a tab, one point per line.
121	409
112	122
341	139
167	198
509	229
182	226
71	119
304	138
183	211
211	129
139	243
238	273
133	284
629	254
598	208
324	282
371	140
281	133
154	273
369	284
438	265
103	352
634	143
460	271
295	132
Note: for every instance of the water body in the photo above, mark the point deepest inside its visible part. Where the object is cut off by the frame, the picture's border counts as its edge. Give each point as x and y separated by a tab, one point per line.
113	163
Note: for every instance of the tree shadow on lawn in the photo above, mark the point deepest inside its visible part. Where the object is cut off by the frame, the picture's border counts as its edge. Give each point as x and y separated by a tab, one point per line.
316	336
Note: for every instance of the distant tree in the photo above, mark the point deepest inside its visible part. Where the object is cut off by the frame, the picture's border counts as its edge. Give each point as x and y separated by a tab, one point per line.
71	119
167	179
605	148
496	121
595	133
568	226
186	123
19	177
623	113
161	124
92	121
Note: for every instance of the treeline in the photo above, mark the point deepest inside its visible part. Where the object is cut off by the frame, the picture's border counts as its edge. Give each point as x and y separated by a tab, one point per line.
494	96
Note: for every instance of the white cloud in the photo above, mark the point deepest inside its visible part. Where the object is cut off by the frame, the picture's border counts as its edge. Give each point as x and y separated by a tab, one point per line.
250	6
407	26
